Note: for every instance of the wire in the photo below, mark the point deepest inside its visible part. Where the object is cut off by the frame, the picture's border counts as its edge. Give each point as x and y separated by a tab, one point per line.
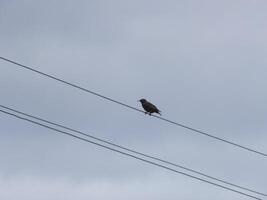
130	155
131	150
133	108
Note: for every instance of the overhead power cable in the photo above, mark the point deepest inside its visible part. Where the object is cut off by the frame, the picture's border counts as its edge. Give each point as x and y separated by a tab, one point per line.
136	109
132	151
129	155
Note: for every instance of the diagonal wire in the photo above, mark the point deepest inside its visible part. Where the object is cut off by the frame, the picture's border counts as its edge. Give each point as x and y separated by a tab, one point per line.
136	109
132	151
129	155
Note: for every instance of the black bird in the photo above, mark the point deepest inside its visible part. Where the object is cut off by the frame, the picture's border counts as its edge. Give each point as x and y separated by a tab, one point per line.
149	107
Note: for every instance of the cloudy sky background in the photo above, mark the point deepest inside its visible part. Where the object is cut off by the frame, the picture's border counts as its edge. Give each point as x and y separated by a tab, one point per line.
203	63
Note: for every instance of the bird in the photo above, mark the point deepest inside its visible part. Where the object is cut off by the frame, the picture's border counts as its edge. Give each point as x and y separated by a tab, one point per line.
149	107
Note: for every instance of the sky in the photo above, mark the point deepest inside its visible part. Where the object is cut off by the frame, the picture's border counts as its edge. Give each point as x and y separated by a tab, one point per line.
203	63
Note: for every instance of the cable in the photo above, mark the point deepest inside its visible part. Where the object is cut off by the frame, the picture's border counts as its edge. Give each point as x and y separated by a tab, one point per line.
133	108
130	155
212	136
131	150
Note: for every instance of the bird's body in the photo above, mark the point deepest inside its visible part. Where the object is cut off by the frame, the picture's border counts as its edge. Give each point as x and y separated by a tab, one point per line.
149	107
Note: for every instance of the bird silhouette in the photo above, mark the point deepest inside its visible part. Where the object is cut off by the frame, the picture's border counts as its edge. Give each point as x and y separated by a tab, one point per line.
149	107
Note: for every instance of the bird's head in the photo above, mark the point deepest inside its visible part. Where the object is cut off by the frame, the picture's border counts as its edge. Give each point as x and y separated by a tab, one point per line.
142	100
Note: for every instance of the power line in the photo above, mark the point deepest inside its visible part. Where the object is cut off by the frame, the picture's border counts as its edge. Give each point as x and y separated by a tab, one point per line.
136	109
131	150
130	155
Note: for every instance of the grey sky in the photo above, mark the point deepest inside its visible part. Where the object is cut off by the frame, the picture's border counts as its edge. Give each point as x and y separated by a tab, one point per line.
203	63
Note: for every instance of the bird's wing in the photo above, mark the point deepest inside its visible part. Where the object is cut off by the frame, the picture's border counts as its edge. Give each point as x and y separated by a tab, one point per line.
152	107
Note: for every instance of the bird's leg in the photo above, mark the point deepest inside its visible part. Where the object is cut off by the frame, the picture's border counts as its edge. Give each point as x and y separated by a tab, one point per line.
149	114
146	113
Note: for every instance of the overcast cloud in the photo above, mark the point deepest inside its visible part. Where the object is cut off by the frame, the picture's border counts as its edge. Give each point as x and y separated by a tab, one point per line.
203	63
